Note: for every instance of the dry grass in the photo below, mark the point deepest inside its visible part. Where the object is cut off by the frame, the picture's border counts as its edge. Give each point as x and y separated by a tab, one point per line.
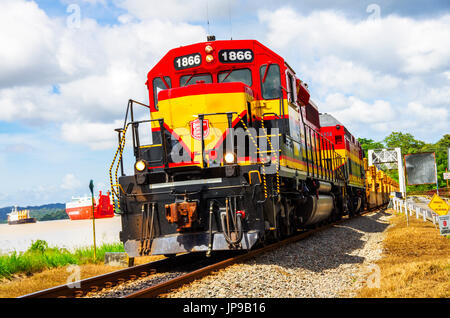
48	278
22	285
415	262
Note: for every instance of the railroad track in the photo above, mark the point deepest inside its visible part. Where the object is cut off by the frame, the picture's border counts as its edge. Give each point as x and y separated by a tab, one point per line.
196	266
189	262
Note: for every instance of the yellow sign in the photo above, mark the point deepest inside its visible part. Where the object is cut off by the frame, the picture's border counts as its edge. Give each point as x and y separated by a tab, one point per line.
438	205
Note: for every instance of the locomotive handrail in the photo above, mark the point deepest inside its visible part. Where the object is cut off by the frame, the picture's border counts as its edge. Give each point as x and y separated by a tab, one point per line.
130	109
136	149
121	130
265	114
136	142
213	114
282	108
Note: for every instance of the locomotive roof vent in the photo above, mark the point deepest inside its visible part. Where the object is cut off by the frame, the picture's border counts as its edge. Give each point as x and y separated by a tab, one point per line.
210	38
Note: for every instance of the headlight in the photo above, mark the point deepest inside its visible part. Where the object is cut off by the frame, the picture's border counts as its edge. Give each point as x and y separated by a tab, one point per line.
209	58
229	157
209	49
140	165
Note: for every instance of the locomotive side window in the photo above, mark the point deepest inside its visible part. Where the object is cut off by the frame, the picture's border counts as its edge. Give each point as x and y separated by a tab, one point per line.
160	84
193	79
270	81
291	88
242	75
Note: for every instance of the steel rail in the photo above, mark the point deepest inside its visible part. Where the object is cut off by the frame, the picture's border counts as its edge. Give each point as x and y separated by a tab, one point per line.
109	280
165	287
97	283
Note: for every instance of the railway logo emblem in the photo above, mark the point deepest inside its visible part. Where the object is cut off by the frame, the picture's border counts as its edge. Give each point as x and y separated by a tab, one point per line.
196	131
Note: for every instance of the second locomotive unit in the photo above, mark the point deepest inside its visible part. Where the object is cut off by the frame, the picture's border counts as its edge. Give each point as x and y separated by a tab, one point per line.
234	153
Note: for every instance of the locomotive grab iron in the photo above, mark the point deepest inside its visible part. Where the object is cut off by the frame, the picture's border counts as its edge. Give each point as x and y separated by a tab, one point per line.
236	154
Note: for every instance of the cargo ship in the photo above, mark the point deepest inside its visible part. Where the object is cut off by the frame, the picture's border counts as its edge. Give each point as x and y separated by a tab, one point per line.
80	208
20	217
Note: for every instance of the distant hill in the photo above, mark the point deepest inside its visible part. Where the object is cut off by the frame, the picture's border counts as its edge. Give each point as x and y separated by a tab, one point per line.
46	212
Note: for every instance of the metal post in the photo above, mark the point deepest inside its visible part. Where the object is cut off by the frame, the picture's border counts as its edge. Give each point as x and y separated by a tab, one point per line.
437	182
401	172
163	142
230	135
91	187
406	213
446	171
312	155
119	131
201	117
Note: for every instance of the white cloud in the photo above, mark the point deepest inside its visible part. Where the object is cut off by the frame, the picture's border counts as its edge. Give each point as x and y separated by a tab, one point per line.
354	110
28	41
332	73
389	44
177	10
94	134
428	116
97	68
70	182
377	64
374	75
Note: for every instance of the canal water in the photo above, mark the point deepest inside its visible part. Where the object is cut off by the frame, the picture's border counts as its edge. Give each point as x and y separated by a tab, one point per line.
59	233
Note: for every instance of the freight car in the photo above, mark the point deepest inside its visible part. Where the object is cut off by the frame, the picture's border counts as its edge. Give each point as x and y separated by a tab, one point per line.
234	153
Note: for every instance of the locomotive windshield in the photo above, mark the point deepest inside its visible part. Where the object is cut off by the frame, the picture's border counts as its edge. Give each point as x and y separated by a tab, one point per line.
270	81
241	75
160	84
193	79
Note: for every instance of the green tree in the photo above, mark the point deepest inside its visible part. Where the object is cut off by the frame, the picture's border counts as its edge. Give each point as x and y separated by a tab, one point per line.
367	144
406	142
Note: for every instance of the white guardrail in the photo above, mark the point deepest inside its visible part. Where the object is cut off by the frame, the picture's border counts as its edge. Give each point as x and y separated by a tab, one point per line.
410	208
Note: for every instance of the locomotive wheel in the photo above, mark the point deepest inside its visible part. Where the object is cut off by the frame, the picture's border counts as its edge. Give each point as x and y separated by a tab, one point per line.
292	225
289	209
351	209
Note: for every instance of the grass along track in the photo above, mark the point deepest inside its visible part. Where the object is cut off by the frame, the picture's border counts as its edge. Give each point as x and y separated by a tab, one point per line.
415	262
41	267
40	257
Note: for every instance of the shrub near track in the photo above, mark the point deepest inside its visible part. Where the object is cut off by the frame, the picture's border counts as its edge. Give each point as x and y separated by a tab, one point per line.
415	261
39	257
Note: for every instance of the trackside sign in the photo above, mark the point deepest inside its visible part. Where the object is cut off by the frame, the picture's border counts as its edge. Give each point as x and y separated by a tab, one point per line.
438	205
444	224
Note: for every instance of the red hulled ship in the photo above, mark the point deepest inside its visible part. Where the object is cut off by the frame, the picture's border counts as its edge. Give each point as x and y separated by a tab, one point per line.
81	207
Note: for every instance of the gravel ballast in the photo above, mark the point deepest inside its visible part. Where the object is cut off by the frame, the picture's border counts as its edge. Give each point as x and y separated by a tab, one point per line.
335	262
332	263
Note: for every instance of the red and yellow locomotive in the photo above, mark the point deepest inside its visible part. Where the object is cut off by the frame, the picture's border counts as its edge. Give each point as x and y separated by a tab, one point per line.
234	153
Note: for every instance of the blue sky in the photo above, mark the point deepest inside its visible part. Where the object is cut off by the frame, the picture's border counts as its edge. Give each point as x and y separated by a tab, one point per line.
67	69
